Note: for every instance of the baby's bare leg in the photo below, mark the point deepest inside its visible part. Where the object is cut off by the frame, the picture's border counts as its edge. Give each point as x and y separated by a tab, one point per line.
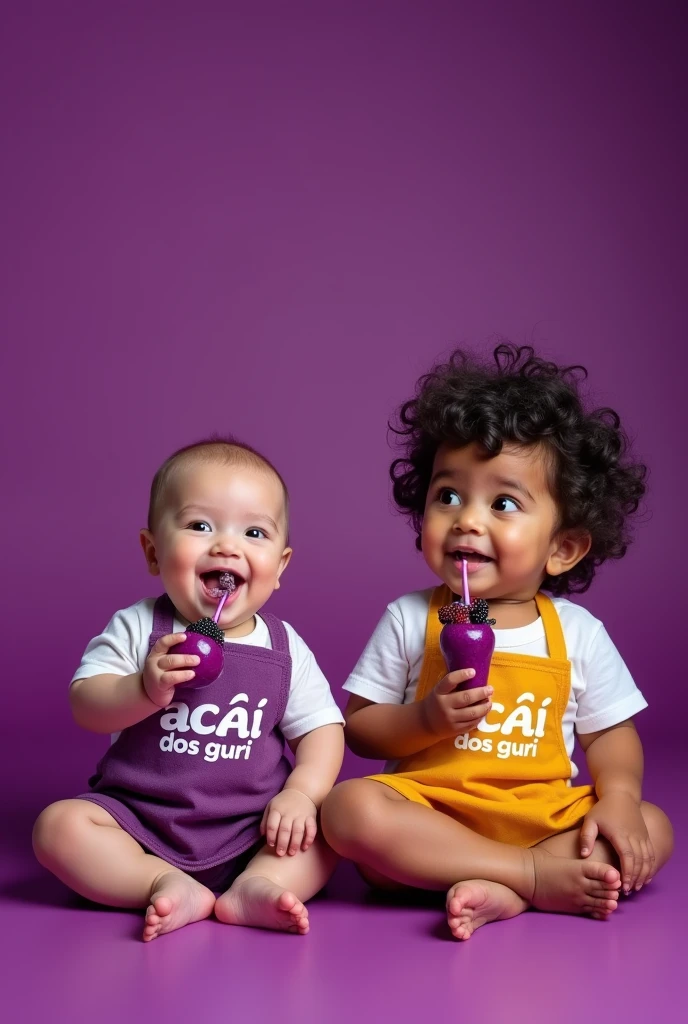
378	828
272	890
85	847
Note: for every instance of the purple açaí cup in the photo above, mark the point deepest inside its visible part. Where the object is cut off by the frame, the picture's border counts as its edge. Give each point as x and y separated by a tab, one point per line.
206	640
467	644
208	650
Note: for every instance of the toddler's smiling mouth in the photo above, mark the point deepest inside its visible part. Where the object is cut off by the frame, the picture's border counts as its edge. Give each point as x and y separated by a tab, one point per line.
475	561
472	557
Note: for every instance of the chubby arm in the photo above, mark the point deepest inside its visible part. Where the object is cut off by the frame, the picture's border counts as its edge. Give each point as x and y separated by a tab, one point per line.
290	820
385	731
318	758
393	731
615	761
108	703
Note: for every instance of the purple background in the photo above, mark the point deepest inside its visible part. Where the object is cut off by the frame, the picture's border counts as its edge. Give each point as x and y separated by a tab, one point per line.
269	219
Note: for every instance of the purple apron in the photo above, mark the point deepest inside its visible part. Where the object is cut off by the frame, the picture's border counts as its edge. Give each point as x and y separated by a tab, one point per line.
191	782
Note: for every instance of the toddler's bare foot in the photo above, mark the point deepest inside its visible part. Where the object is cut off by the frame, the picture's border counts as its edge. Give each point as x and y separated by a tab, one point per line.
261	903
477	901
574	886
176	899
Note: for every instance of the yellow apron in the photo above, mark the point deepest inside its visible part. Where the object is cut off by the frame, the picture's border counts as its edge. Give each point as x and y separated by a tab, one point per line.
507	779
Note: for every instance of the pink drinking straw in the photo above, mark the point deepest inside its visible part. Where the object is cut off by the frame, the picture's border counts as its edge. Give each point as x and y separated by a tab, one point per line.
228	585
464	571
220	605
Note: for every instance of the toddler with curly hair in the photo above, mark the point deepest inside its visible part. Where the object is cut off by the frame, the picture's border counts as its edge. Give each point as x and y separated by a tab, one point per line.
504	468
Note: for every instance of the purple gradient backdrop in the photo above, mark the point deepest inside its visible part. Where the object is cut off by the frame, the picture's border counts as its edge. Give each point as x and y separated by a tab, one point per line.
269	220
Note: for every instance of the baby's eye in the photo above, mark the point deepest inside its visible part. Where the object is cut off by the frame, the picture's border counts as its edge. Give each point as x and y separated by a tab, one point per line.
504	504
449	497
255	533
200	527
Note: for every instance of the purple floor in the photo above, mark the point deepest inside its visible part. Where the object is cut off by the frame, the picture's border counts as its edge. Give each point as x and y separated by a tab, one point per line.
67	961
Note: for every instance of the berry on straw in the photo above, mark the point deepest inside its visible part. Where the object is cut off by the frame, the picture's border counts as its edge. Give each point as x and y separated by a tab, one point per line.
479	611
209	628
453	613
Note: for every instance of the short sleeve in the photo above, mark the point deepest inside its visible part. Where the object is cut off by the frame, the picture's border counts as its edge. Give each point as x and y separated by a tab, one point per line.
310	704
120	649
610	695
381	673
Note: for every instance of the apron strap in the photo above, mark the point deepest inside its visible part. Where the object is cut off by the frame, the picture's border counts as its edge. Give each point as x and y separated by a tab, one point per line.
163	620
278	634
554	634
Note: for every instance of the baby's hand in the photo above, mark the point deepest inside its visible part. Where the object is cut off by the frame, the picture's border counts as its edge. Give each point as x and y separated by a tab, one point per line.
163	671
617	817
290	822
450	712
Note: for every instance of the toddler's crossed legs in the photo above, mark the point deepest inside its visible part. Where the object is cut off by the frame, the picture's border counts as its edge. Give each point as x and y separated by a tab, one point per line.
399	843
85	847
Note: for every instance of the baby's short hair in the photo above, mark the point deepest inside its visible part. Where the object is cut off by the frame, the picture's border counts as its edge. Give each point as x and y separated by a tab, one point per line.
523	400
225	450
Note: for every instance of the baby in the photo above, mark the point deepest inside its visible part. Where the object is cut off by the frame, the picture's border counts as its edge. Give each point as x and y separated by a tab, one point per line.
195	796
503	467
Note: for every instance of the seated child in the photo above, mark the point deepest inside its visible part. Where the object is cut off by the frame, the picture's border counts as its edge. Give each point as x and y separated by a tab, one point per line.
504	468
195	777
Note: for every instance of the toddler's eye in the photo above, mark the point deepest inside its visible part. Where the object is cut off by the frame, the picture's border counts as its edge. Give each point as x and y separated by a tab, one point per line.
255	533
505	505
200	527
449	497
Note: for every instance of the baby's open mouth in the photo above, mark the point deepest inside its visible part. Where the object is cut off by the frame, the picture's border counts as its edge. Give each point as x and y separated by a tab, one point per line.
220	581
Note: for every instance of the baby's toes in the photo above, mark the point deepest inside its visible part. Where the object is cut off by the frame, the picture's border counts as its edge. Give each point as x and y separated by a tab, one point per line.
604	894
297	913
611	879
601	906
302	927
458	928
162	906
151	926
452	893
602	876
601	915
289	903
454	907
152	918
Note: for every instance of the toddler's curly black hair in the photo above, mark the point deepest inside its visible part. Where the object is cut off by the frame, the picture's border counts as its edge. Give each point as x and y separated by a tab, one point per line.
524	400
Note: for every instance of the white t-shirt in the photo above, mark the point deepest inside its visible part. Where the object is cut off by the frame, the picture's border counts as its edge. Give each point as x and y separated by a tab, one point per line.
603	692
122	649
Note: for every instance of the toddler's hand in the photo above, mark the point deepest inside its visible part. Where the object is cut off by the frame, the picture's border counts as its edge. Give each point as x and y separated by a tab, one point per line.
163	671
618	818
450	712
290	822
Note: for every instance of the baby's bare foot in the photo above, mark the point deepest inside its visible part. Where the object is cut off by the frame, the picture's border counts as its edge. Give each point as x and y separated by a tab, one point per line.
574	886
261	903
176	899
477	901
